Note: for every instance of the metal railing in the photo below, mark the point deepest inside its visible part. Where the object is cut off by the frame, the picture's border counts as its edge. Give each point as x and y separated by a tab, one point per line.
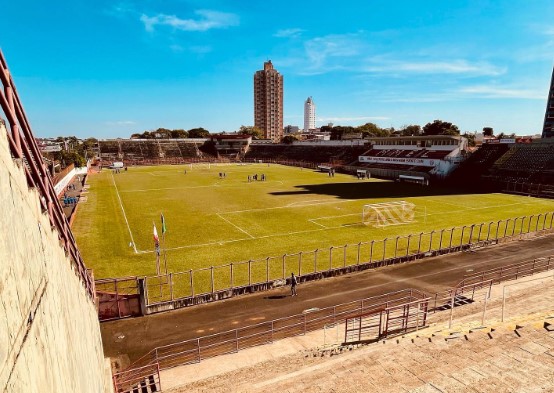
318	263
23	147
140	379
379	316
197	349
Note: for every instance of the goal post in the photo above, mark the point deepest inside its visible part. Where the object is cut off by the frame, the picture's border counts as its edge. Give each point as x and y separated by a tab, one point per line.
388	213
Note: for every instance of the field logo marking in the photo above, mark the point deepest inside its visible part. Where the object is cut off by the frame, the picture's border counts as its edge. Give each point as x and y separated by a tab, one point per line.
124	215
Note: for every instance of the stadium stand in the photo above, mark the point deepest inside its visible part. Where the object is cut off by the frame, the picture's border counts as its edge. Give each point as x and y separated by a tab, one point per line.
315	154
525	168
478	163
154	151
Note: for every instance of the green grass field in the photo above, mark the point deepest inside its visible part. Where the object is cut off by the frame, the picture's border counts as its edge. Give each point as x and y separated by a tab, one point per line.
213	221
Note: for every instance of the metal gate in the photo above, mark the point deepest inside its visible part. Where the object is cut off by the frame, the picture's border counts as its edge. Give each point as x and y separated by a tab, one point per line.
118	298
387	321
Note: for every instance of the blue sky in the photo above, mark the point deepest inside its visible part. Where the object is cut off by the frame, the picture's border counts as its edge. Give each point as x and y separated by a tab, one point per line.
108	69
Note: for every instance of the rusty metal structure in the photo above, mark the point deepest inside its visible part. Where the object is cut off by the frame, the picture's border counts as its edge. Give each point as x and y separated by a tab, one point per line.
24	149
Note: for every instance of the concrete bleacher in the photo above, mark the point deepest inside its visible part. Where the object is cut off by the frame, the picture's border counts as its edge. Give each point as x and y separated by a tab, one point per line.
523	162
514	355
133	151
314	154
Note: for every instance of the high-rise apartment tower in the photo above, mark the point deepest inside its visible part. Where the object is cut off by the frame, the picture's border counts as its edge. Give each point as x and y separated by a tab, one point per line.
268	102
548	128
309	114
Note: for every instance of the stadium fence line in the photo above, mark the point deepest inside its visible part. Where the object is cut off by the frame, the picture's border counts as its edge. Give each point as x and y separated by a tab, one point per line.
181	289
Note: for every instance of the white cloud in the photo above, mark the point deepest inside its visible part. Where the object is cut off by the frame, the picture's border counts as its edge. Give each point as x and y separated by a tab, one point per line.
121	123
322	51
433	67
355	118
206	20
287	33
484	91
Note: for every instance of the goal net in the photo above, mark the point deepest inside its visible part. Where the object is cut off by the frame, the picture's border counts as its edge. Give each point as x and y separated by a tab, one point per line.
388	213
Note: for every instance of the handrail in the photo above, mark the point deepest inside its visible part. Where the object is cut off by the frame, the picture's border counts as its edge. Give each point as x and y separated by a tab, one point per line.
23	146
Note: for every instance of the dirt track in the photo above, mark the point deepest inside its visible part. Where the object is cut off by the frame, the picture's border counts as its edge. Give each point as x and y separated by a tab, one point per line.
429	275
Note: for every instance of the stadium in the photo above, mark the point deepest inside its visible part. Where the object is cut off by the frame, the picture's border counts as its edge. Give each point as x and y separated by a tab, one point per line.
422	266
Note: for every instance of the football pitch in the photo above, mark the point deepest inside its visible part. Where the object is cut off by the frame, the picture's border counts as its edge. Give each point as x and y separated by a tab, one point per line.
214	220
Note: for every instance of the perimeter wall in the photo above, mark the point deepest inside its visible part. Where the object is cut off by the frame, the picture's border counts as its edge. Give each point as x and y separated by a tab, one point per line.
49	331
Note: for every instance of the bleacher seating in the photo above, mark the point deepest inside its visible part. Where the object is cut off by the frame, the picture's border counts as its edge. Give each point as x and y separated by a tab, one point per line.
477	164
315	154
151	151
525	163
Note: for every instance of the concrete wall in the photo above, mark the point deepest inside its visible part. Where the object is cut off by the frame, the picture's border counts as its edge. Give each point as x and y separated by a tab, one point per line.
49	331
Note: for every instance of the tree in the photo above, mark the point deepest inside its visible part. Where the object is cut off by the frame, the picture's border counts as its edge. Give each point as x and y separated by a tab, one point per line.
253	131
179	134
198	133
338	131
488	131
410	130
289	139
439	127
470	138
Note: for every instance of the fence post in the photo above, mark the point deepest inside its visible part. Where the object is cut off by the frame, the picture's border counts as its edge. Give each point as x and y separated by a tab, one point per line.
489	230
198	348
315	260
462	236
430	240
522	222
212	276
408	245
344	256
471	234
479	235
451	235
330	258
231	274
300	263
191	283
440	240
358	259
419	243
371	252
396	247
171	286
384	250
529	223
249	272
267	270
551	219
284	256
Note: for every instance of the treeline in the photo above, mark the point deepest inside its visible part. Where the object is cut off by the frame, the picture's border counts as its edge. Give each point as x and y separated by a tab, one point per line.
437	127
165	133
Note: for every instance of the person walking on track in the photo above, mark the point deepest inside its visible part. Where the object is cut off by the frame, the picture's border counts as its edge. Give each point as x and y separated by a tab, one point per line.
293	284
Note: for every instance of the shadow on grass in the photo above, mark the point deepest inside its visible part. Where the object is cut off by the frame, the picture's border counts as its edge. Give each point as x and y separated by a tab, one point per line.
367	190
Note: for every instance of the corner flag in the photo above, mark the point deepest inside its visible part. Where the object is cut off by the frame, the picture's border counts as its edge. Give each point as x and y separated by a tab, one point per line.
163	224
156	238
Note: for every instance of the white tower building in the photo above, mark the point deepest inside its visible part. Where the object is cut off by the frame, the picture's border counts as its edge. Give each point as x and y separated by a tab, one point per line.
309	114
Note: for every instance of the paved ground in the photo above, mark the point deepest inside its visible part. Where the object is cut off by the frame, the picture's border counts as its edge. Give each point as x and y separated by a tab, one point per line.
134	337
69	209
469	357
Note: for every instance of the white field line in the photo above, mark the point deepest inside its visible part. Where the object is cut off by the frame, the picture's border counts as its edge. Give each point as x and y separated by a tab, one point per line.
124	215
317	223
232	185
222	242
287	207
465	207
236	226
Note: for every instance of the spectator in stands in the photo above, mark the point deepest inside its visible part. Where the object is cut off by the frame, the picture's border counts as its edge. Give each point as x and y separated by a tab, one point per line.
293	284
